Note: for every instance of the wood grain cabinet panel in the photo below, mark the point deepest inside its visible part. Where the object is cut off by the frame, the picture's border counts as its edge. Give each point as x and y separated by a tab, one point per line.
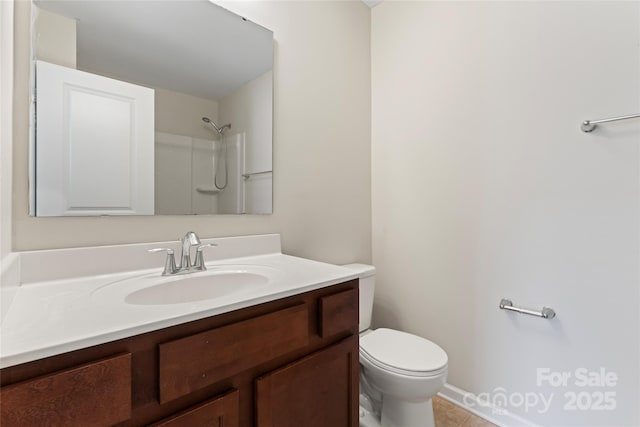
191	363
338	312
95	394
319	390
221	411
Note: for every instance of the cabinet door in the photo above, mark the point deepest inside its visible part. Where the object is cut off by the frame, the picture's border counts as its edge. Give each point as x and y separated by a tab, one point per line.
96	394
221	411
319	390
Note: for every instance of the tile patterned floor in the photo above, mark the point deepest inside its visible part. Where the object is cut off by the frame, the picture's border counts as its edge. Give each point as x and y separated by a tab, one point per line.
449	415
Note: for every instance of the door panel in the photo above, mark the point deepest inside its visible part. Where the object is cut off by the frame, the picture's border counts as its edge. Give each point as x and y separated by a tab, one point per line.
94	144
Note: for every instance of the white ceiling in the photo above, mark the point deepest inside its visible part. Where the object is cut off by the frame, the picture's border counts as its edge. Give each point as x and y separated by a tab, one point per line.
193	47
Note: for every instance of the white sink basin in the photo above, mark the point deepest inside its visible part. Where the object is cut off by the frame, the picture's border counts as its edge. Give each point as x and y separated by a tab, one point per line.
196	288
215	283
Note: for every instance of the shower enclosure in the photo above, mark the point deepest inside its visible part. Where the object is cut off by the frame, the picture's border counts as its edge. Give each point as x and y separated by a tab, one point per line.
199	176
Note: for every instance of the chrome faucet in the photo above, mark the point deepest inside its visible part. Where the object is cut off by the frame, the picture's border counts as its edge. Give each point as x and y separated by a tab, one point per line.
189	240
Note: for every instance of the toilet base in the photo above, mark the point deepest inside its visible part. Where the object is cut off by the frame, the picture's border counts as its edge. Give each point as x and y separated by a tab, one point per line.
368	418
400	413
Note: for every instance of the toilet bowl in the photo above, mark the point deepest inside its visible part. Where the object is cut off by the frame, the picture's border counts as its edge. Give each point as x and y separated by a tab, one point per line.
399	372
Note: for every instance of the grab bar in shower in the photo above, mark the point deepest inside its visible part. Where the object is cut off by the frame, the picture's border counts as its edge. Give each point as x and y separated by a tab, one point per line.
249	175
546	313
590	125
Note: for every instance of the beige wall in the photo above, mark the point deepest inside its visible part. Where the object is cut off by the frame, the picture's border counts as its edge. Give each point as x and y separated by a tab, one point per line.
321	144
55	38
6	148
485	188
181	114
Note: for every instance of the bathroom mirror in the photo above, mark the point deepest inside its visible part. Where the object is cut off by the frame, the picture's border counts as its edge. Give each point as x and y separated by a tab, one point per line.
149	107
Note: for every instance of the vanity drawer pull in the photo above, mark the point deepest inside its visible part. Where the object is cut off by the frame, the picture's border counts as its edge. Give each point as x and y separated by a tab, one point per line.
338	312
95	394
221	411
199	360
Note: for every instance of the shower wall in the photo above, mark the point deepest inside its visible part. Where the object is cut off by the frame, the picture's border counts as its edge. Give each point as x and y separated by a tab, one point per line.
485	188
185	168
182	166
231	199
248	109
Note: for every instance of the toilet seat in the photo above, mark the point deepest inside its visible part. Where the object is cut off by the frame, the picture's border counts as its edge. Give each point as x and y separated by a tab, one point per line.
403	353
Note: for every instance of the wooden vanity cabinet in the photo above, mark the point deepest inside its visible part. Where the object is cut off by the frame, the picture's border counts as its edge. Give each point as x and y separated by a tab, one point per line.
289	362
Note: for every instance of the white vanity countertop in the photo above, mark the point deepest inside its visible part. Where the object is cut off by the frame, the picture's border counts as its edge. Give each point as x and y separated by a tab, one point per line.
52	317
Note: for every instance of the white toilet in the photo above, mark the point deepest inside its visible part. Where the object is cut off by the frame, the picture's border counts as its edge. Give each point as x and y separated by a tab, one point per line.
399	372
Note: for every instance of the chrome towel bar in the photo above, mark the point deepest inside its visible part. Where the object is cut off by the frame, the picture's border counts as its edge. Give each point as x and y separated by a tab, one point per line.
546	313
590	125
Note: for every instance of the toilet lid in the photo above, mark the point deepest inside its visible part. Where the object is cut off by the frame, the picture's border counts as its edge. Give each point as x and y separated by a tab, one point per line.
402	351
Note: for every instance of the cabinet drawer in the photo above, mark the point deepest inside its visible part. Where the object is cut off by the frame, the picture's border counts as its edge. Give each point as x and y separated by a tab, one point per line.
338	312
221	411
95	394
199	360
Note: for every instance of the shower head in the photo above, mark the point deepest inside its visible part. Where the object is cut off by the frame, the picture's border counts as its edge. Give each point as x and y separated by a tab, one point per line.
209	121
218	129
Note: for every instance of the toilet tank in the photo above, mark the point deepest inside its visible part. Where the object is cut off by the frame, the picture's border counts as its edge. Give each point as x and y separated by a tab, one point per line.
367	276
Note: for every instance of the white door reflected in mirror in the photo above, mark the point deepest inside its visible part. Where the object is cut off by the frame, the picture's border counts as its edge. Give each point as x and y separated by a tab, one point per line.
95	144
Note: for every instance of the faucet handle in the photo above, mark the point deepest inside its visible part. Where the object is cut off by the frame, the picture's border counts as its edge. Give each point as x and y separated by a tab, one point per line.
170	262
199	264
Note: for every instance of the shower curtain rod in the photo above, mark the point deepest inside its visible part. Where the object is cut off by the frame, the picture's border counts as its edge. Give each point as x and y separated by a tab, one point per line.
590	125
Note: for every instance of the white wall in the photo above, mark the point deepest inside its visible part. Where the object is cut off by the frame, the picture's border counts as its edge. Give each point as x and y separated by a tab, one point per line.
484	187
322	202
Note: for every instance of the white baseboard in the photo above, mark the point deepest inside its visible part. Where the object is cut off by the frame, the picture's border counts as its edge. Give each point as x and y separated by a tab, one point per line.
470	402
